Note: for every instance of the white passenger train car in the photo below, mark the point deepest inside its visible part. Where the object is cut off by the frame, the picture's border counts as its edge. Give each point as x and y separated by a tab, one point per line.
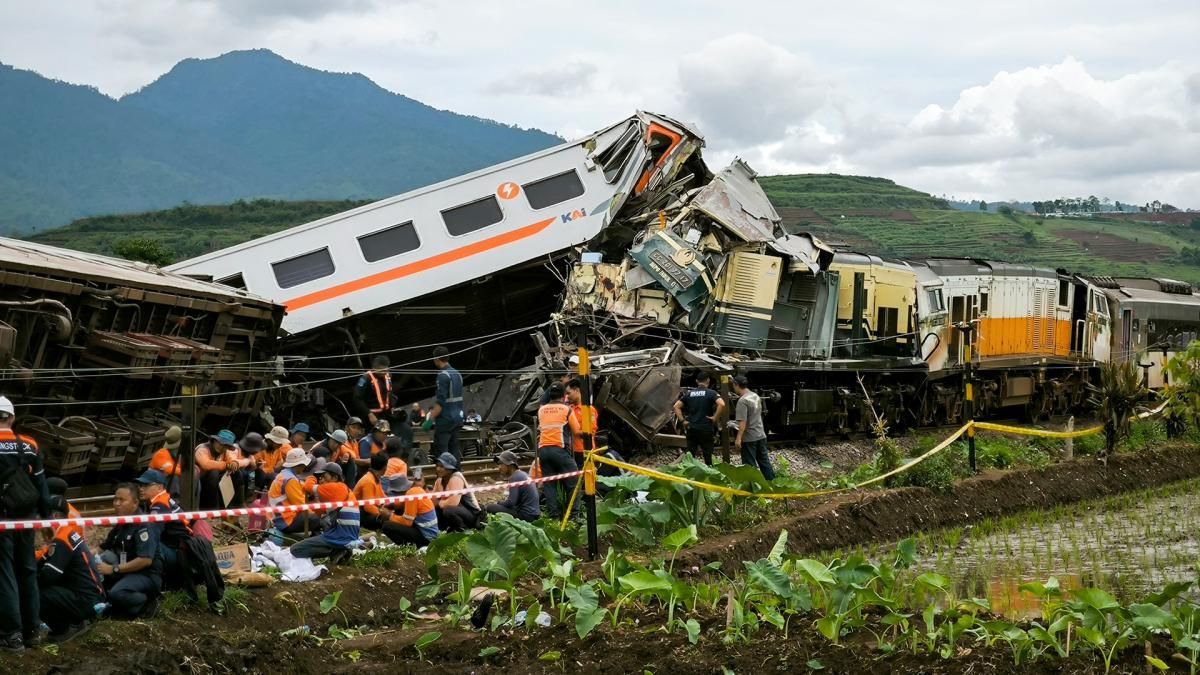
456	231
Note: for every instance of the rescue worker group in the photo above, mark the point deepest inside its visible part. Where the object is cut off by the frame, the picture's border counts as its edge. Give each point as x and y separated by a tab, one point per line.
55	585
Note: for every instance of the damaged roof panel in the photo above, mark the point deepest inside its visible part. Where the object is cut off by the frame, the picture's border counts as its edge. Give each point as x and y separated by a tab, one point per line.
734	199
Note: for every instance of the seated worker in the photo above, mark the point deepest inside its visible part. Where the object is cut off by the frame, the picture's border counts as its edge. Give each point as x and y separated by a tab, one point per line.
455	513
370	486
173	534
418	523
270	460
68	584
373	443
344	453
342	523
214	460
397	456
288	488
130	561
165	460
523	501
298	436
58	487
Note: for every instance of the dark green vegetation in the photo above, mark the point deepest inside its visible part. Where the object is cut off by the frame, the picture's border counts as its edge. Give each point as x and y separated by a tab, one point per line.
187	231
240	126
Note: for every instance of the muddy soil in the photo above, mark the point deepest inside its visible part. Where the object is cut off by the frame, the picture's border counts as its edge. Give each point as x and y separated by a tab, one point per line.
193	641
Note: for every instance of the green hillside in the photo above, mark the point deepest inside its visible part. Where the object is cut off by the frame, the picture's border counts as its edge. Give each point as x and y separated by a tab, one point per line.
189	230
871	215
874	215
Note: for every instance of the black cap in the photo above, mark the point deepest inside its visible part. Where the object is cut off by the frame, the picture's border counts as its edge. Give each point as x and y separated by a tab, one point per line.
556	390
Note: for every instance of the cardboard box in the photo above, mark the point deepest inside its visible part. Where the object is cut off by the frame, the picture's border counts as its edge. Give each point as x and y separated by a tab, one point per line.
233	559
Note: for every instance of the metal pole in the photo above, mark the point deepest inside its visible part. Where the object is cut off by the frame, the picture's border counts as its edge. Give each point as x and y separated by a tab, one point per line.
187	453
726	392
589	430
969	380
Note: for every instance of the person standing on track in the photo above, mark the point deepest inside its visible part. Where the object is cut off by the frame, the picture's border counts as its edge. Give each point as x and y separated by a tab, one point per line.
446	416
24	494
373	392
751	435
699	409
557	425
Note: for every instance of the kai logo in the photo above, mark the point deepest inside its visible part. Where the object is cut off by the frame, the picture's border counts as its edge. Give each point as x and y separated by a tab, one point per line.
508	190
577	214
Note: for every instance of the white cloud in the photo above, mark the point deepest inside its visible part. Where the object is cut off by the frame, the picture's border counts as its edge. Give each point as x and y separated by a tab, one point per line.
556	81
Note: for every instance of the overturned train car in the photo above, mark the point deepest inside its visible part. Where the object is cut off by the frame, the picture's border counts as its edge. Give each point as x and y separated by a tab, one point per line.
832	338
95	353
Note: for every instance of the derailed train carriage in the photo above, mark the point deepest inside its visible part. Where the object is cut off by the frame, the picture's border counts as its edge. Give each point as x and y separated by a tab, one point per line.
831	337
95	352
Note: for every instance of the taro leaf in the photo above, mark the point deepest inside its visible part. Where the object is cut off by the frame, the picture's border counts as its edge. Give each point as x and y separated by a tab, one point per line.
1152	616
935	581
1096	599
780	547
531	615
585	622
437	549
743	476
644	582
426	640
815	664
488	651
550	656
1188	644
685	536
906	553
1156	662
631	483
769	577
975	605
692	627
829	627
816	571
1091	635
1169	593
713	566
868	596
330	601
493	549
583	597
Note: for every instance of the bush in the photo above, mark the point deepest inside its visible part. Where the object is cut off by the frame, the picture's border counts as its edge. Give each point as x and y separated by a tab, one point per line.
994	454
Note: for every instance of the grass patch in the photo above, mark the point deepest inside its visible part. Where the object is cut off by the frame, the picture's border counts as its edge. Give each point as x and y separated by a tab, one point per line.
235	598
382	557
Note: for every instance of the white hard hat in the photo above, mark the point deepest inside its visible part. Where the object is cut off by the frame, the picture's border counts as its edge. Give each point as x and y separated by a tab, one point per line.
6	406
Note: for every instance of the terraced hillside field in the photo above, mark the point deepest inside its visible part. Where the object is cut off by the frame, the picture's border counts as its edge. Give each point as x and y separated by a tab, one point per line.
896	221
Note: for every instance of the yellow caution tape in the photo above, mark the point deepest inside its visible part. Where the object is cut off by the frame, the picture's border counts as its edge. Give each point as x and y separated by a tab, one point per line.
1044	433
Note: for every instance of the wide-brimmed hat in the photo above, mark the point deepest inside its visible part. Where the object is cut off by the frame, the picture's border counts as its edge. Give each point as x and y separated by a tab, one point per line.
278	435
296	457
172	438
252	442
447	461
224	437
397	483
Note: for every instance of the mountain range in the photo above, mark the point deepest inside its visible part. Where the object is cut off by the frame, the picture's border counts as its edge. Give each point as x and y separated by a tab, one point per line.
244	125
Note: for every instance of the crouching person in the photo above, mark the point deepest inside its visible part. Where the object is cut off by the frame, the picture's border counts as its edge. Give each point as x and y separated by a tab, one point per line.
342	530
523	501
186	558
68	584
418	523
455	512
130	561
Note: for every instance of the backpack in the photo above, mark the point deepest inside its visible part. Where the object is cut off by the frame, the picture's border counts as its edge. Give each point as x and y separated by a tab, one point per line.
18	496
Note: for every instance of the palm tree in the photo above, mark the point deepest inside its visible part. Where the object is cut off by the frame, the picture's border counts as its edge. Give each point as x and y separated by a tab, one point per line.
1117	396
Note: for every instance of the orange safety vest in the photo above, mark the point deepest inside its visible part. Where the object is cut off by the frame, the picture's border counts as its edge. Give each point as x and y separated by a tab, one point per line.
383	396
577	439
553	421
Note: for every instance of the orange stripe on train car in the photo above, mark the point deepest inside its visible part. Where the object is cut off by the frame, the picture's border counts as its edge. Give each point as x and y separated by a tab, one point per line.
1011	336
418	266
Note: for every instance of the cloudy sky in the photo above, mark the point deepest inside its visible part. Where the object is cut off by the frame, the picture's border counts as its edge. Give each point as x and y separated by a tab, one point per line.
993	100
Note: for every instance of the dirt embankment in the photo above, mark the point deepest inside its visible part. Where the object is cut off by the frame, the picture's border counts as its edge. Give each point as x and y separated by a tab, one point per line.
895	514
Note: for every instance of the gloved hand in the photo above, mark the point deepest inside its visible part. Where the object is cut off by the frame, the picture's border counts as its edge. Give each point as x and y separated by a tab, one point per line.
427	424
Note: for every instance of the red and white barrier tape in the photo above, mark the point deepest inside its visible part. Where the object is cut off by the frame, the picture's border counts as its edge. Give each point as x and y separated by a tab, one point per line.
109	521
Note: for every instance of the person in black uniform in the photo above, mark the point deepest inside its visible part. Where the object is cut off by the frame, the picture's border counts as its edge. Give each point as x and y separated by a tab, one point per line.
69	585
130	561
24	496
699	409
446	415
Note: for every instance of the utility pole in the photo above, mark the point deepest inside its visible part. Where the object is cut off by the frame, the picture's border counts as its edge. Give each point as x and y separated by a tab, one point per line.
969	381
187	455
589	431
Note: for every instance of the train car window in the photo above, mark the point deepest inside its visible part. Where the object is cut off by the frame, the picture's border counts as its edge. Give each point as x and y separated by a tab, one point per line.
303	268
983	303
233	281
388	243
553	190
1064	293
936	302
472	216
